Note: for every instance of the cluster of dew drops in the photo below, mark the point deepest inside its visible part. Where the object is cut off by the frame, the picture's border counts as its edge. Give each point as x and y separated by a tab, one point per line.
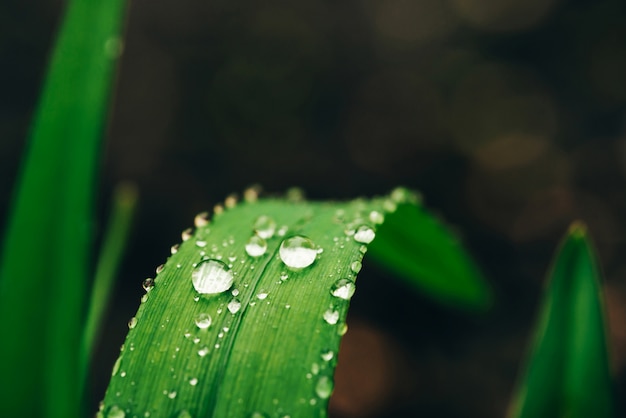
213	276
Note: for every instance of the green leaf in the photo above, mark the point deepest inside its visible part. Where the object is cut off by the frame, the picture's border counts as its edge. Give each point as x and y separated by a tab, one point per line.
567	374
273	355
45	259
420	250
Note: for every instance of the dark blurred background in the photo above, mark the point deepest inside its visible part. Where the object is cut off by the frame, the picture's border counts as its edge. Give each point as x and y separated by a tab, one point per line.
509	116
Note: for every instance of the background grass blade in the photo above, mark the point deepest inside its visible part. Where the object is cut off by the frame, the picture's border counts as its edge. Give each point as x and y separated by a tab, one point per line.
567	374
45	260
113	245
276	354
420	250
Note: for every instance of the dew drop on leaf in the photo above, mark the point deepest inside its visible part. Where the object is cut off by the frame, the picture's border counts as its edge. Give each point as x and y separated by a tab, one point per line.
356	266
211	277
256	246
201	219
234	306
261	296
193	381
116	366
264	227
343	289
203	320
257	414
186	234
324	387
115	412
297	252
331	316
376	217
148	284
183	414
132	323
364	234
327	355
203	351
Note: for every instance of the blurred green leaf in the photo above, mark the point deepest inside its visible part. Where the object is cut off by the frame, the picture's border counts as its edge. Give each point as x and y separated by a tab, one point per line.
45	259
420	250
567	374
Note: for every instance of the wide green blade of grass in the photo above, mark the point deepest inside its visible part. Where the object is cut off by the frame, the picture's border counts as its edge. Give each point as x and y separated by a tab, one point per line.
45	258
265	346
567	374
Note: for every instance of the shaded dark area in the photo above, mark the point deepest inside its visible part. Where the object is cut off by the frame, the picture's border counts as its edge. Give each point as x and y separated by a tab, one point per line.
508	115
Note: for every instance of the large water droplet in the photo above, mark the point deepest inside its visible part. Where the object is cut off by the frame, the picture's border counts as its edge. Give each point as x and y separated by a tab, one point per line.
211	277
234	306
331	316
265	227
256	246
343	289
297	252
115	412
364	234
203	320
324	387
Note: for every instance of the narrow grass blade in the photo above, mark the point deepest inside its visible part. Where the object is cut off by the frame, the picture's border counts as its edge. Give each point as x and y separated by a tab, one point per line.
113	245
45	258
267	346
567	374
420	250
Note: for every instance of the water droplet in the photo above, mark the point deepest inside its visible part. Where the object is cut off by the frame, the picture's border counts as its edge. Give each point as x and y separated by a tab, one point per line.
257	414
364	234
327	355
342	329
201	219
148	284
283	230
324	387
132	323
295	194
264	227
356	266
376	217
203	351
115	412
331	316
343	289
116	366
172	394
184	414
211	277
234	306
235	292
200	243
193	381
174	248
186	234
315	368
203	320
230	201
256	246
363	249
284	276
297	252
159	268
218	209
261	295
251	194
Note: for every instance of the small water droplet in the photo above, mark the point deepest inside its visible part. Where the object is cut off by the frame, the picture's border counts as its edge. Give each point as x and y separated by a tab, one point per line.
264	227
342	329
174	249
200	243
234	306
261	295
251	194
218	209
186	234
324	387
230	201
144	298
283	230
284	276
295	194
203	351
257	414
364	234
201	219
132	323
172	394
196	340
343	289
159	268
331	316
148	284
256	246
363	249
327	355
203	320
193	381
376	217
297	252
287	306
356	266
184	414
315	368
116	366
211	277
235	292
115	412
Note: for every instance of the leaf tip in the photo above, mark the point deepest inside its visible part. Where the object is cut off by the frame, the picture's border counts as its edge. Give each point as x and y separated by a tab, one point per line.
578	229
